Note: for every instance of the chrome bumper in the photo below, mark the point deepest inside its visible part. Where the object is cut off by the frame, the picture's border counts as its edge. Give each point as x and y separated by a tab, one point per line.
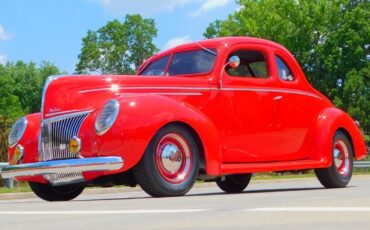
63	166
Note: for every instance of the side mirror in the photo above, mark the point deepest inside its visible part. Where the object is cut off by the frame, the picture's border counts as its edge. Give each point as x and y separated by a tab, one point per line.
234	61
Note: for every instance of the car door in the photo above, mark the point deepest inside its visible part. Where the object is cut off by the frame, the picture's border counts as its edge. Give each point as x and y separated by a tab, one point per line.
249	108
298	108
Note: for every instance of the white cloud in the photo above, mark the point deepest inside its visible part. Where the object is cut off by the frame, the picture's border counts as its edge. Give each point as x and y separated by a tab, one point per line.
3	59
177	41
209	5
144	7
3	34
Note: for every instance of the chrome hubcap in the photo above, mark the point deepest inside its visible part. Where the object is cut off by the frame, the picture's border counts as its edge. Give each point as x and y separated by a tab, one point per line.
171	158
341	157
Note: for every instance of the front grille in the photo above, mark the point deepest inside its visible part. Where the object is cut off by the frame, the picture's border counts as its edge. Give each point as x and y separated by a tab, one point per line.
56	134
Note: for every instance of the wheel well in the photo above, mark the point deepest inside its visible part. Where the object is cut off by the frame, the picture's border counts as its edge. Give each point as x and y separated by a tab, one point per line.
343	130
202	161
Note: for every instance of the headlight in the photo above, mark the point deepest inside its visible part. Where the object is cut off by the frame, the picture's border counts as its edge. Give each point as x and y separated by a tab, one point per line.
106	117
17	131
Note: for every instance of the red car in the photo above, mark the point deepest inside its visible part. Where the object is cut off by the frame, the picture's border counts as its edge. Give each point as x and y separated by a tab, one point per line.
218	109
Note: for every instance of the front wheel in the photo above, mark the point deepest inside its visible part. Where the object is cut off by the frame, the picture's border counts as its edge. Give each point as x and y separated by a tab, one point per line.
56	193
170	164
339	173
234	183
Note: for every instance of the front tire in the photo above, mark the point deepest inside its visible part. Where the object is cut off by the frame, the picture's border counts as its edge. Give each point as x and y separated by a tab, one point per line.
234	183
56	193
170	164
339	174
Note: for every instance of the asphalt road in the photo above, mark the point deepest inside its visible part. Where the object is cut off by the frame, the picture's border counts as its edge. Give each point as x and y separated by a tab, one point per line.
283	204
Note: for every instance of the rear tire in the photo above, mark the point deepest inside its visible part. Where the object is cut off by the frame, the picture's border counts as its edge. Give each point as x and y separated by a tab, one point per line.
234	183
56	193
339	174
170	164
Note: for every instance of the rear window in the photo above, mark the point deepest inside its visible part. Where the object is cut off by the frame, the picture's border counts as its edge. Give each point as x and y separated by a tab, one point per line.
192	62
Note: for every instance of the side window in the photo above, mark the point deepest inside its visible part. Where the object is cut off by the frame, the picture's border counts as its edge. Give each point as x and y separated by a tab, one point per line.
284	72
192	62
156	68
252	64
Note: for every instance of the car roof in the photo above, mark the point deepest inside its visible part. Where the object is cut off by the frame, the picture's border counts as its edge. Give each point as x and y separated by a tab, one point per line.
221	42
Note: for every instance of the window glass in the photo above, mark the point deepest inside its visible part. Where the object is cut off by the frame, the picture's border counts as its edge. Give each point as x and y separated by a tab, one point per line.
284	72
252	65
192	62
156	68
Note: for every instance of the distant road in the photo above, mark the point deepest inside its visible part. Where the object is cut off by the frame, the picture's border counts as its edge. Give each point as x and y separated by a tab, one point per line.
283	204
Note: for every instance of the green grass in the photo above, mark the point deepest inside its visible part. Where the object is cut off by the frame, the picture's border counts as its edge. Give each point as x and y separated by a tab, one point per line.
18	189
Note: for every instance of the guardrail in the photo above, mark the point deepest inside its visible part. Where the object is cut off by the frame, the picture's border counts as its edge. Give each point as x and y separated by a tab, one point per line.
361	164
8	182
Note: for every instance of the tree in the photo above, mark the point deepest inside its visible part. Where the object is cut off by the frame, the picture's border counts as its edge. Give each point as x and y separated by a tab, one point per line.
28	82
20	94
330	39
118	48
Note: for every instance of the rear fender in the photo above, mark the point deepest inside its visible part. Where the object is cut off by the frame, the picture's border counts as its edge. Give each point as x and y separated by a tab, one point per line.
320	137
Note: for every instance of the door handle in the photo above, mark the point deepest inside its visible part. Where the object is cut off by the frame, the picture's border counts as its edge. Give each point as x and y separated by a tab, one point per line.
277	98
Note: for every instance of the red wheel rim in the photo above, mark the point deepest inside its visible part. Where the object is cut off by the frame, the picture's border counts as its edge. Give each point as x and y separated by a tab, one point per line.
173	158
341	157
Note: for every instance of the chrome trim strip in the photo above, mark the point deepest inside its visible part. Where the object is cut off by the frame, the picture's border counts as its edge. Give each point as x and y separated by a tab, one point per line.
277	90
148	87
63	166
64	112
47	83
167	93
66	116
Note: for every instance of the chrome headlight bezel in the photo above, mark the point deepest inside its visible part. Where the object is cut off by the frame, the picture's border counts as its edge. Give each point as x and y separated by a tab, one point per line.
106	116
17	131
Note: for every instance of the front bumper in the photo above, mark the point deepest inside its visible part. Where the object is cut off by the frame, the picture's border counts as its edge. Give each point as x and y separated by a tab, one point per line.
63	166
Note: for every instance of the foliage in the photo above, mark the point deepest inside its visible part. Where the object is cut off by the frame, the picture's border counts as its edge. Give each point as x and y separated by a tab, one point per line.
118	48
20	94
329	38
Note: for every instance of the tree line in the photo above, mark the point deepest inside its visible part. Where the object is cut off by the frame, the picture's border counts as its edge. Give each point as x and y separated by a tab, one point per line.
330	39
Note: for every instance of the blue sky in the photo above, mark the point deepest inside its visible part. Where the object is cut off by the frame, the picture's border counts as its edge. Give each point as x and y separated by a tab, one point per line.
51	30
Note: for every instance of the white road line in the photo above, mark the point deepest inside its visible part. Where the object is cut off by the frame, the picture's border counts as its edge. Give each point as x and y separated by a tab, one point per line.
309	209
87	212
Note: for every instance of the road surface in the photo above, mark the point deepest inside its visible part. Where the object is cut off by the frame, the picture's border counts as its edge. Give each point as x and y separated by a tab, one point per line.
280	204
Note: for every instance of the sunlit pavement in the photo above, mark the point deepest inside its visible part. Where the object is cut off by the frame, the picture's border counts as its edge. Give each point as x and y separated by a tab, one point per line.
282	204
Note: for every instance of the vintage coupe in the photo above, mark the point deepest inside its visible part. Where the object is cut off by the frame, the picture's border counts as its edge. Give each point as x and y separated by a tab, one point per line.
217	109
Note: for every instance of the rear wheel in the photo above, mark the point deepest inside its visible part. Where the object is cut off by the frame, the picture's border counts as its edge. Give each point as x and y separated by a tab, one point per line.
339	173
170	164
56	193
234	183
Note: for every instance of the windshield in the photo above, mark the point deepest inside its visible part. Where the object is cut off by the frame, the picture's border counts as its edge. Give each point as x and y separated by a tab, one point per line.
183	63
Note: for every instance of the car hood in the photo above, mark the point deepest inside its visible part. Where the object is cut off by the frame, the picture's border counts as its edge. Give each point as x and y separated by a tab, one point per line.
68	94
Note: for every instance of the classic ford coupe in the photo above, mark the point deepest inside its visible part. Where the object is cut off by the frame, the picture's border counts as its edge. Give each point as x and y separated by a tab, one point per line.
218	109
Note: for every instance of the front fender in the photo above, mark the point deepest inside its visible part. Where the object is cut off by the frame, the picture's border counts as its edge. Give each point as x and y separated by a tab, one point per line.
141	116
320	136
29	142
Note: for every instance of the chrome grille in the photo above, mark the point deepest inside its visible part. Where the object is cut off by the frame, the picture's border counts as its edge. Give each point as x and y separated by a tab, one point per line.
56	134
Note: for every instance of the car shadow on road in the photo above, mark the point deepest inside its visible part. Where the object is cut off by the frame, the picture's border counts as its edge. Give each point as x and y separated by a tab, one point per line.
216	193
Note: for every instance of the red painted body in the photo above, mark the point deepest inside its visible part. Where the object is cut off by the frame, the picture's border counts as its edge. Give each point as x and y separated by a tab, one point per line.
243	124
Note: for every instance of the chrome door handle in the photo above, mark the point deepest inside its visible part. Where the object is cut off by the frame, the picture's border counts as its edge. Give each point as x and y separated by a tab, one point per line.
277	98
